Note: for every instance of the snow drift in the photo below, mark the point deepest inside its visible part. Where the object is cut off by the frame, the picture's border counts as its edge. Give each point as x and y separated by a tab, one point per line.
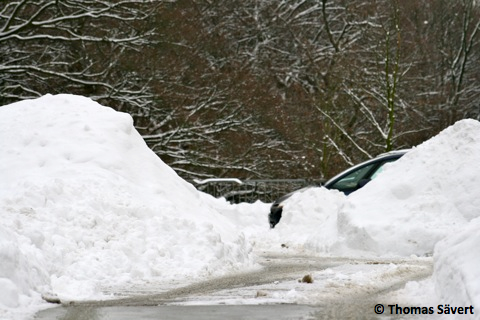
309	222
456	267
84	204
416	201
426	203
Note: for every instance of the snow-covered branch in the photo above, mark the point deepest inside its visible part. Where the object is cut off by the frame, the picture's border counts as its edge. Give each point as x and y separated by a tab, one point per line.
53	46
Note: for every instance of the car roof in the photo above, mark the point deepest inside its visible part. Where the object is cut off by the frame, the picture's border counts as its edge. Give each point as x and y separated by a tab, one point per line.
383	156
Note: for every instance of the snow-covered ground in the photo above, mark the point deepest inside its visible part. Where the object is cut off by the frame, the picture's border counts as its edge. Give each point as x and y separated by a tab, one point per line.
85	205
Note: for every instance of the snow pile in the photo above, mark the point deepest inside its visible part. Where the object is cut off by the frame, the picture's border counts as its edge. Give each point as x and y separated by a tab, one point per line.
84	204
429	193
456	267
309	221
425	203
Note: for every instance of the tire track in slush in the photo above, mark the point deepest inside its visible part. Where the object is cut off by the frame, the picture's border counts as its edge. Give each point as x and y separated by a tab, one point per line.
275	268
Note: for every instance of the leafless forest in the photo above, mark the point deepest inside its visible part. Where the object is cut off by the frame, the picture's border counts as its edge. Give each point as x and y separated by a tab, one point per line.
254	88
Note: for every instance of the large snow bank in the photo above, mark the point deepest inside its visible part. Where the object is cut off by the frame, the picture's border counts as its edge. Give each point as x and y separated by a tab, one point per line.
457	267
425	203
429	193
415	202
84	204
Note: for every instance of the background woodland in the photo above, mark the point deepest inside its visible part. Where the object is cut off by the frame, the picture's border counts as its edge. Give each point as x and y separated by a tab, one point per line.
254	88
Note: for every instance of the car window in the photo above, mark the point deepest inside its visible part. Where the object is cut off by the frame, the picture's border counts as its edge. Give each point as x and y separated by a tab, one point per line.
351	180
380	168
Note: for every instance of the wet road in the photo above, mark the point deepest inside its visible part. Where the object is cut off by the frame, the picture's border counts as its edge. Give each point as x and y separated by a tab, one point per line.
183	312
212	299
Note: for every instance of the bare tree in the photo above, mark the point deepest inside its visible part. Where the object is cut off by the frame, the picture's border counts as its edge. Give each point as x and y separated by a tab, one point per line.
287	88
332	81
460	61
441	42
374	92
204	119
50	46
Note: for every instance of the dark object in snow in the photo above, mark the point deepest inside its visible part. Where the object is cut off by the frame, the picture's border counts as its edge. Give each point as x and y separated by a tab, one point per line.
261	294
307	279
51	298
275	215
277	207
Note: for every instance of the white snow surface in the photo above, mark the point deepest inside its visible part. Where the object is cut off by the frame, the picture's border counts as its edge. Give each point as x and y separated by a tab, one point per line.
86	205
429	193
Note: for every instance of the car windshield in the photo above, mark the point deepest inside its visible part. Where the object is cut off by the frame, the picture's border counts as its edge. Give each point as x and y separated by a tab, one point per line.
351	180
380	168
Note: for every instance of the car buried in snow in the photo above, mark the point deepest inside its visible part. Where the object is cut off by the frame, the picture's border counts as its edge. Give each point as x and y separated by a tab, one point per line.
347	181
